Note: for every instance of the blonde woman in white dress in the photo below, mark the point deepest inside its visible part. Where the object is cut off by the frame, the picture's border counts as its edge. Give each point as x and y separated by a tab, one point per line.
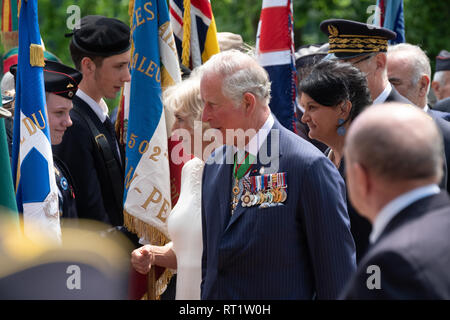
184	252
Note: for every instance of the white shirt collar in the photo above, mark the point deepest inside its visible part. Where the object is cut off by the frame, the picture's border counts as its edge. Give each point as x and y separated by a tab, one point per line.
256	142
101	110
390	210
383	96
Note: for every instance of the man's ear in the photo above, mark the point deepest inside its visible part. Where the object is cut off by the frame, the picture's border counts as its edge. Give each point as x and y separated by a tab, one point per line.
423	83
87	65
362	178
249	101
435	85
381	61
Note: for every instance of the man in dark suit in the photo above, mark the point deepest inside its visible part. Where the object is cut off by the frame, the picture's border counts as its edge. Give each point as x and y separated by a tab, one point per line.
443	105
395	187
274	217
100	49
365	47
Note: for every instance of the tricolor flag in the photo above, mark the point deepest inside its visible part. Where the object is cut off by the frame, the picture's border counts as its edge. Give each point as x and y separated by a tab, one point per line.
33	171
195	31
389	14
154	66
276	53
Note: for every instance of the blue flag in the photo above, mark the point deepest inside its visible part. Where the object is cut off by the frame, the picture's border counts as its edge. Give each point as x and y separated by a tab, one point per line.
33	171
391	17
154	66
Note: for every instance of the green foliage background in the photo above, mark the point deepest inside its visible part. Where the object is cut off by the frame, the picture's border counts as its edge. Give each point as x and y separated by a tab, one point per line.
426	22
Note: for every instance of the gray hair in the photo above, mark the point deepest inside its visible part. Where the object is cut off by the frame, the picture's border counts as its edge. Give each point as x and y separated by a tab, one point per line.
418	59
241	73
439	77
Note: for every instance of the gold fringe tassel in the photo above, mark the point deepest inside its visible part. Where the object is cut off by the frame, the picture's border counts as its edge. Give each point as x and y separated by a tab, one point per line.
161	284
186	45
155	237
36	55
142	229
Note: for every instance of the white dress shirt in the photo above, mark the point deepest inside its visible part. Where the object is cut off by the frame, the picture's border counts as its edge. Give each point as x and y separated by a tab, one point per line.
101	110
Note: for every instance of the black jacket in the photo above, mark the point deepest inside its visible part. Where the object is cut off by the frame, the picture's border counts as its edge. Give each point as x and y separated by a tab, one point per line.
95	198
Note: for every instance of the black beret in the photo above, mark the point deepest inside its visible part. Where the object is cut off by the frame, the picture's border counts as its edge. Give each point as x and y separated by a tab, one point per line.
349	39
58	78
443	61
101	36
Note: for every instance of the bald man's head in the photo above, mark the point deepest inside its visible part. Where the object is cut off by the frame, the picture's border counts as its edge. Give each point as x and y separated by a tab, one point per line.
397	142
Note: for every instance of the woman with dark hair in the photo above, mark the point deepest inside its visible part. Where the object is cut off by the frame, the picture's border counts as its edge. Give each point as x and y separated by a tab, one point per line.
333	95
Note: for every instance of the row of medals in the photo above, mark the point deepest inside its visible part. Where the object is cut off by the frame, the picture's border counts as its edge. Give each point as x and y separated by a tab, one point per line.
264	198
276	195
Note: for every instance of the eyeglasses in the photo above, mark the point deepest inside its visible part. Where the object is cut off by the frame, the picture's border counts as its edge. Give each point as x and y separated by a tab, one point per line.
367	57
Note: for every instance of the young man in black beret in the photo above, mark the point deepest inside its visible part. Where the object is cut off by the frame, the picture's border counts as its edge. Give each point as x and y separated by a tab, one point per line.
100	49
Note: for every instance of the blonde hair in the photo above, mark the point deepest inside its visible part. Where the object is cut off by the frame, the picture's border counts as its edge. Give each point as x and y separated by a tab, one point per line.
184	98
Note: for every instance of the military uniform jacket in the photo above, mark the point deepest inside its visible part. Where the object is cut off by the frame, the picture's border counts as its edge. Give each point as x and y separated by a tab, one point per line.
67	203
79	151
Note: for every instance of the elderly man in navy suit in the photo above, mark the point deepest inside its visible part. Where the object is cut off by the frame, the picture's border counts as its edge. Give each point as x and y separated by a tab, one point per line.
274	218
394	162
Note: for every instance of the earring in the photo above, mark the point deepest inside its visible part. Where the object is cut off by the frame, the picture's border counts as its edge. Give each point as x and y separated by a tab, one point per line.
341	129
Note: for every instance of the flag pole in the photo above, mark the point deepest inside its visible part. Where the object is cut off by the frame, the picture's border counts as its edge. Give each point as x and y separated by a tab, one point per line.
151	280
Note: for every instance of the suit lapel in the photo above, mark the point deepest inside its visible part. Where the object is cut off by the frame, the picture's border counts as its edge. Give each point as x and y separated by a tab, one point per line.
223	187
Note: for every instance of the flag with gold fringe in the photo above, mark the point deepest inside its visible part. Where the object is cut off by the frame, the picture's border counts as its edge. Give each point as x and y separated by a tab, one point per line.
33	171
154	66
195	31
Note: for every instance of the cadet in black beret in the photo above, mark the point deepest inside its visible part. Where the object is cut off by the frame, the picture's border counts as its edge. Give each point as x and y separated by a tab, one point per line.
61	84
364	46
441	79
100	49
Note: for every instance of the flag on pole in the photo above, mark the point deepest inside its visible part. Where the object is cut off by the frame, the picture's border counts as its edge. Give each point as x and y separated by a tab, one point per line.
195	31
154	66
276	53
8	206
10	25
390	16
33	171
